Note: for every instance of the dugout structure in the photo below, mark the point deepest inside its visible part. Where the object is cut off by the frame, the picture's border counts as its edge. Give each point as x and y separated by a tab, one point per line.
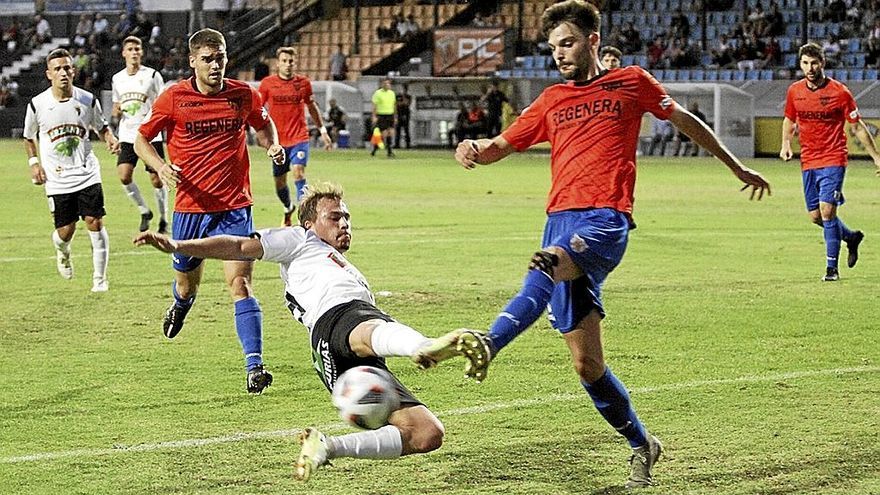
730	112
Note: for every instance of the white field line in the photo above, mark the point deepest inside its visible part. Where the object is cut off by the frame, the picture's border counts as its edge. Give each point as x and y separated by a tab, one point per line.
465	411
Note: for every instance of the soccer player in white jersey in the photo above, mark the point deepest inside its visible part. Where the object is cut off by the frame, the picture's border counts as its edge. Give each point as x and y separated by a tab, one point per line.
328	295
60	119
134	89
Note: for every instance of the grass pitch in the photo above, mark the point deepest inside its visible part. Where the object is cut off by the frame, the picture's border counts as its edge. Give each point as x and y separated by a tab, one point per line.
759	378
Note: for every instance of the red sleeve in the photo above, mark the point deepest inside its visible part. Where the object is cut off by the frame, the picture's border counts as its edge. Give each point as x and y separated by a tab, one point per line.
529	128
160	117
259	116
653	97
309	93
850	107
790	111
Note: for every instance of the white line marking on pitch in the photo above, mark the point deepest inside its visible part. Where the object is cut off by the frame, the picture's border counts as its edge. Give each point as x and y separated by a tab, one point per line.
465	411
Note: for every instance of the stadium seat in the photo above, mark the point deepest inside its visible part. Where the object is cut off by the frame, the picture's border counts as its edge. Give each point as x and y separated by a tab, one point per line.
855	44
725	75
698	75
859	60
752	75
711	75
739	75
642	60
856	74
627	60
871	74
659	74
785	44
766	75
791	60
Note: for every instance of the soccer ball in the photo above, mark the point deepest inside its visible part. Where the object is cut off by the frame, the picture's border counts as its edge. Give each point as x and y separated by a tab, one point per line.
365	396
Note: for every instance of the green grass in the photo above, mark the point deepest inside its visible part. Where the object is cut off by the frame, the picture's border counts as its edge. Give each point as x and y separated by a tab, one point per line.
759	378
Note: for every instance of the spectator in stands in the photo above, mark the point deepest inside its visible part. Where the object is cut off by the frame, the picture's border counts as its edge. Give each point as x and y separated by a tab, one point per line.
772	54
722	53
83	30
335	120
122	28
4	92
757	18
42	30
748	53
831	47
196	15
404	112
655	54
872	46
835	11
101	25
461	121
479	20
476	122
338	65
155	34
662	131
633	40
775	23
680	25
610	57
12	36
412	27
494	100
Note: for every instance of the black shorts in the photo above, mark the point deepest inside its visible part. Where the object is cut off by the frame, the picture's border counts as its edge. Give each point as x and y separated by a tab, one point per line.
385	121
127	155
332	354
70	207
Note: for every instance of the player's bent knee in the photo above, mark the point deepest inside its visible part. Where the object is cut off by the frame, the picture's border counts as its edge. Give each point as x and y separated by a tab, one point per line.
589	369
544	261
426	437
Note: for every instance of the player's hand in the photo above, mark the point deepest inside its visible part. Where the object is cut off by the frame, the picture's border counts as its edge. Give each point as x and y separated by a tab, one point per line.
755	181
328	143
276	153
169	174
112	144
159	241
785	153
467	153
38	176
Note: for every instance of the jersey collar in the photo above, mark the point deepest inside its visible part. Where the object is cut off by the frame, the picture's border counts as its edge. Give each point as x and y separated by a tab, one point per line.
590	81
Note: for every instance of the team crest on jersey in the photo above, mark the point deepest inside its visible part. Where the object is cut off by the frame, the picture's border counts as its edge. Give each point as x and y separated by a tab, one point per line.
234	103
824	100
611	86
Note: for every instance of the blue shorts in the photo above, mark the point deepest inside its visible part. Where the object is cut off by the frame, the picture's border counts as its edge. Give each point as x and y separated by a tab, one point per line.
186	226
825	185
298	154
595	240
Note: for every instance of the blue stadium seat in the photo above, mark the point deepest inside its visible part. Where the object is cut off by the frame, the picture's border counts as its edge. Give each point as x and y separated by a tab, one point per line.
793	30
752	75
871	74
659	74
711	75
725	75
855	44
833	29
627	60
791	60
698	75
856	74
785	44
642	61
859	60
711	32
739	75
504	73
528	62
766	75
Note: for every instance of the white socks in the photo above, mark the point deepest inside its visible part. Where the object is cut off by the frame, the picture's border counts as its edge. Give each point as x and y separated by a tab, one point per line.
394	339
60	245
134	193
100	253
161	201
384	443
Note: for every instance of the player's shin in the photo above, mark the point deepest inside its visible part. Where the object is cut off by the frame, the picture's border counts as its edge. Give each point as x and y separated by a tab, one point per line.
300	185
394	339
384	443
612	400
100	253
524	309
831	231
249	326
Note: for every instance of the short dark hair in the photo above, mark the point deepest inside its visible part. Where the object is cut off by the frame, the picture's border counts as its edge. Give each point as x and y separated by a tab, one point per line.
811	50
610	50
206	37
132	39
57	53
582	14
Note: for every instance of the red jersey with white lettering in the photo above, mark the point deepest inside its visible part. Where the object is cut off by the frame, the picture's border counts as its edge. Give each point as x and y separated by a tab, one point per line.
593	129
286	101
820	114
207	138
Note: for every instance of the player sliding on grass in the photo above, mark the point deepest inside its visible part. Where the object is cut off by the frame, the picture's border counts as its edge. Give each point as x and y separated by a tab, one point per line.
332	299
819	106
592	124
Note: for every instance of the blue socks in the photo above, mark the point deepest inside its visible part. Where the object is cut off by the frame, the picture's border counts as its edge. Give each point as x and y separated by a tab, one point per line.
179	301
523	310
284	196
832	232
612	400
845	233
300	185
249	326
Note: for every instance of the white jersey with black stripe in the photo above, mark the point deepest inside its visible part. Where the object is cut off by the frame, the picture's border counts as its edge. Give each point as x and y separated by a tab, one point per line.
316	276
135	94
62	128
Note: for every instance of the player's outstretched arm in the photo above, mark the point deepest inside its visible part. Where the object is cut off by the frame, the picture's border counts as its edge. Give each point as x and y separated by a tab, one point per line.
702	135
864	136
787	134
223	247
471	152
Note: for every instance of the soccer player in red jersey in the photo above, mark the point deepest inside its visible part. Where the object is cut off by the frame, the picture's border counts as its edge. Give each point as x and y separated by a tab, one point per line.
205	119
592	123
285	95
820	106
